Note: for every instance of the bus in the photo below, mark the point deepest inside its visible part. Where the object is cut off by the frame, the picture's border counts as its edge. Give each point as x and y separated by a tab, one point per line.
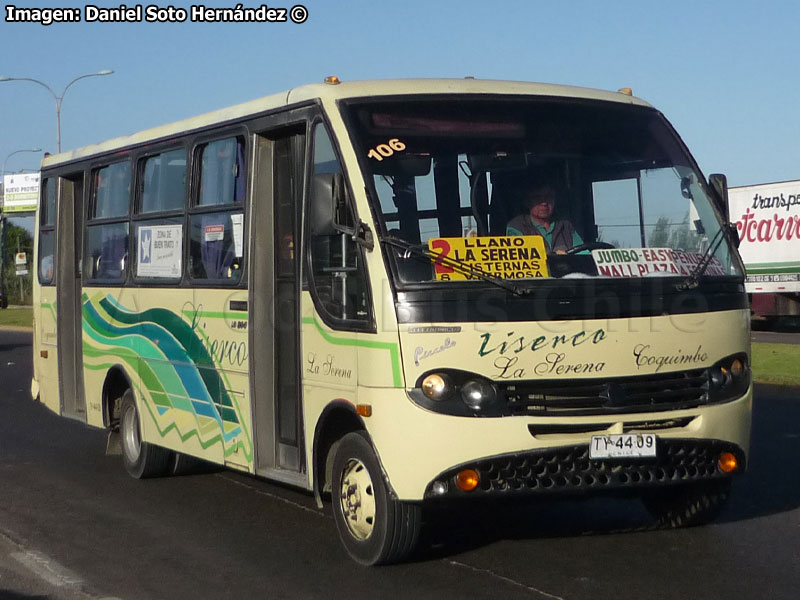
353	288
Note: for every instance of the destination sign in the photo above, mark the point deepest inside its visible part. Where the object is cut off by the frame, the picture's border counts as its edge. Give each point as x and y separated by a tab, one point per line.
643	262
506	257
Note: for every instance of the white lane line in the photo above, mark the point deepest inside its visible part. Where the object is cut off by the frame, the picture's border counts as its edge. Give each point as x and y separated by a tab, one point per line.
503	578
273	496
48	569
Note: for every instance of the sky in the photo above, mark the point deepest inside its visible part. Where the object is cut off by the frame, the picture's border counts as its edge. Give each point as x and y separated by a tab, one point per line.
724	73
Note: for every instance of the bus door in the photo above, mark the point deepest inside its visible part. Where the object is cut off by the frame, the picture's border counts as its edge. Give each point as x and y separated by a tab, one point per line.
70	344
275	348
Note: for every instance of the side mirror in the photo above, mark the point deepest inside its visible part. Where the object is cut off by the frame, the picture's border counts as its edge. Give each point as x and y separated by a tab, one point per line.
733	234
328	206
719	183
330	211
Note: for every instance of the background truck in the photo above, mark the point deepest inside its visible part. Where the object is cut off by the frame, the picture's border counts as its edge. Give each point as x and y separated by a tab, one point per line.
767	217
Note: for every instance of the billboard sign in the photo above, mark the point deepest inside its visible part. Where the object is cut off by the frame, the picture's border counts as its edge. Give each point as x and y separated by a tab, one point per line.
21	192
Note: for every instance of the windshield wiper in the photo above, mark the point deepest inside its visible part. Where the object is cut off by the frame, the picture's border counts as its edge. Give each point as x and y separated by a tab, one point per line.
453	263
693	279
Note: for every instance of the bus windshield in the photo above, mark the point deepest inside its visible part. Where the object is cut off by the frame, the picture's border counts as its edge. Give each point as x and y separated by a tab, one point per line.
525	188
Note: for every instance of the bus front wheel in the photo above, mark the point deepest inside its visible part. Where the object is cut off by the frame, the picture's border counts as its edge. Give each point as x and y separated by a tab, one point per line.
141	459
374	528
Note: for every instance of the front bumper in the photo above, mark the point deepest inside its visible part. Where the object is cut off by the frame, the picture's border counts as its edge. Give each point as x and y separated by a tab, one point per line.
570	470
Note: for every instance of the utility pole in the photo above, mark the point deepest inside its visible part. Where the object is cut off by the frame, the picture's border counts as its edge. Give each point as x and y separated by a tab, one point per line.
3	298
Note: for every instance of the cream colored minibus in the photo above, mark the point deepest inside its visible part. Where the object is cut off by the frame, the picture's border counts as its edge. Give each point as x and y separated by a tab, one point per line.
402	294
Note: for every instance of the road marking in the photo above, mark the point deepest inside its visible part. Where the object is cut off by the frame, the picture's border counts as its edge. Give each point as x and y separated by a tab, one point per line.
273	496
508	580
48	569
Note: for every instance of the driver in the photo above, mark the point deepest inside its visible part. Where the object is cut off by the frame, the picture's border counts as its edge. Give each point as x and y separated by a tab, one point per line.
559	236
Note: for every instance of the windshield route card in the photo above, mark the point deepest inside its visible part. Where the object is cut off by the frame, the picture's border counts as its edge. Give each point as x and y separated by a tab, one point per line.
503	257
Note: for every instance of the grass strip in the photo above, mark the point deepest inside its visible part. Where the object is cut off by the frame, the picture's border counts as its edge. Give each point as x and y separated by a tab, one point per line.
16	317
777	364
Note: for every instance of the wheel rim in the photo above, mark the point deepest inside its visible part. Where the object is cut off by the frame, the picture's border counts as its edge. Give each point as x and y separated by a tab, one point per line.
357	499
131	440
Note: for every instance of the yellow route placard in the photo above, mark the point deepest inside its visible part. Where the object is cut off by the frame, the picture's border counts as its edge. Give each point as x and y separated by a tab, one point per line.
506	257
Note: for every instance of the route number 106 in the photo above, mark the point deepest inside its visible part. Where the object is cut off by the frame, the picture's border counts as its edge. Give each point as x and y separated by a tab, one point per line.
382	151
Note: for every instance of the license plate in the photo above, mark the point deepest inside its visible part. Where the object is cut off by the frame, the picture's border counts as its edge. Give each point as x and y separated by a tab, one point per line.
623	446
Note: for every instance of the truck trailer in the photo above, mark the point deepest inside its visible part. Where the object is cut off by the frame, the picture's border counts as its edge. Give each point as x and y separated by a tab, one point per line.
767	217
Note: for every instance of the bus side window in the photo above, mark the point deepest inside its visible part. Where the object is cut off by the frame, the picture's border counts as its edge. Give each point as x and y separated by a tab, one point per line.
216	244
47	233
107	231
337	265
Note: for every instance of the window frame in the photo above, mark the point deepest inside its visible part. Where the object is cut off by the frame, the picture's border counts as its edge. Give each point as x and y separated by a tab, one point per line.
137	218
367	324
94	222
46	227
194	209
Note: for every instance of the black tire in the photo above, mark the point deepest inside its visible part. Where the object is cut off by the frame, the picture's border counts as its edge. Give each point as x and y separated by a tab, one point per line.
688	505
141	459
185	464
374	528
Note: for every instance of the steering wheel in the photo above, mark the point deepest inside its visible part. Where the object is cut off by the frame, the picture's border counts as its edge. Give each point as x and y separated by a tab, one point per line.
590	246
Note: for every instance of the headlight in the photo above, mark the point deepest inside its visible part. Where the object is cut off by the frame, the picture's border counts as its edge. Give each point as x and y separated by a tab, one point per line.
478	394
437	386
454	392
729	378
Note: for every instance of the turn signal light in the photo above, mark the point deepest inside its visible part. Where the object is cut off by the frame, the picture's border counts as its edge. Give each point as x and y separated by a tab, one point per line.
467	480
737	368
727	462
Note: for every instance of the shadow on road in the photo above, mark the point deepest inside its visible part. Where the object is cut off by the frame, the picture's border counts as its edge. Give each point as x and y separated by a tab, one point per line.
13	346
770	484
769	487
10	595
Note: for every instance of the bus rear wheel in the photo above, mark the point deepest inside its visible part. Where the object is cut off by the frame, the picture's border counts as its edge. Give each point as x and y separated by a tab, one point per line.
141	459
374	528
688	505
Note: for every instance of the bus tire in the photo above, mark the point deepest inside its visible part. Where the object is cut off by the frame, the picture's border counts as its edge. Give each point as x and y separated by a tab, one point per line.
688	505
141	459
374	528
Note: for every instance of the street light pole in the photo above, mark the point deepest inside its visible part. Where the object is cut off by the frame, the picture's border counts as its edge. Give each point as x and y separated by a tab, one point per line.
12	154
56	97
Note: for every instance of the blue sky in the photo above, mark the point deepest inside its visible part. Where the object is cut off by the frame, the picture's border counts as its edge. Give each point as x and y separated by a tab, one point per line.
724	73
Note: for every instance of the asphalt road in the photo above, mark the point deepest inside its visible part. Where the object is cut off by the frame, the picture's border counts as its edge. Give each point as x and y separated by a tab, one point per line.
775	337
74	525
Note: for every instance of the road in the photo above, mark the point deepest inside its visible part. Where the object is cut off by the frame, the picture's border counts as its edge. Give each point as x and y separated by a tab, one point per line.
775	337
74	525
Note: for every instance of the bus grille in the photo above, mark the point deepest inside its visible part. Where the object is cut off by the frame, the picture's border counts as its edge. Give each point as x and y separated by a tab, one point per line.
569	469
662	391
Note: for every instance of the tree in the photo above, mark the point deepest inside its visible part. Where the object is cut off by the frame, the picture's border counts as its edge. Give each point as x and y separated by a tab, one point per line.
659	237
677	236
683	238
18	289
